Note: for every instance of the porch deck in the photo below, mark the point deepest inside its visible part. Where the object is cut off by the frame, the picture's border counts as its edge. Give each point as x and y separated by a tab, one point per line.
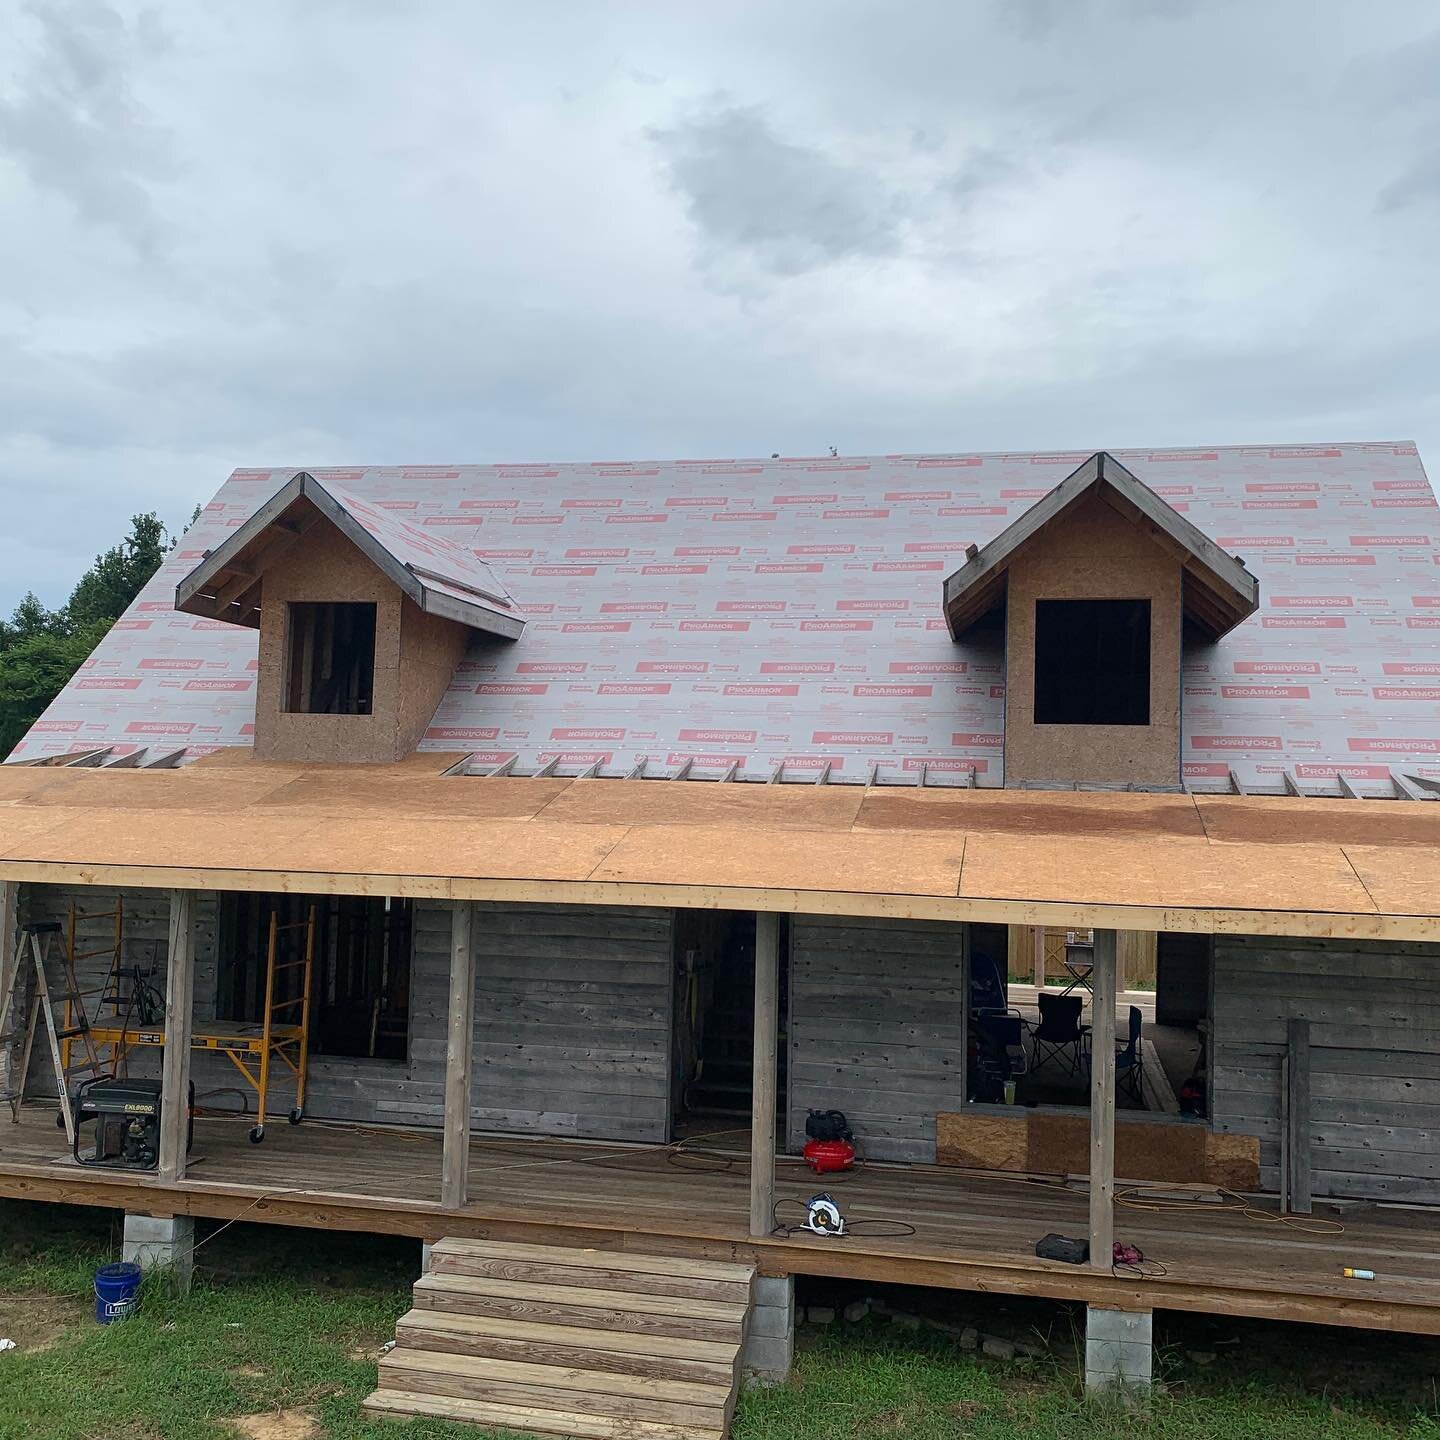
972	1232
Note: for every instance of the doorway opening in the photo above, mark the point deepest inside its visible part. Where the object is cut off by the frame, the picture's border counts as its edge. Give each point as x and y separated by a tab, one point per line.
360	996
714	1022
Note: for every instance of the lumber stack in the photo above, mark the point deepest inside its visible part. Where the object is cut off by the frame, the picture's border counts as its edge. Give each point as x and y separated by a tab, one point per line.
587	1343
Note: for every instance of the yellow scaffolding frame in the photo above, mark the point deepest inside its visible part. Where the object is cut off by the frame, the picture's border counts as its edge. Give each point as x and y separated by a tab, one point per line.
251	1048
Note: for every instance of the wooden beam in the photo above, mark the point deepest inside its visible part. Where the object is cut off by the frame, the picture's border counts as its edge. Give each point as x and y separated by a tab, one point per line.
1347	790
459	1057
179	1012
764	1077
1102	1100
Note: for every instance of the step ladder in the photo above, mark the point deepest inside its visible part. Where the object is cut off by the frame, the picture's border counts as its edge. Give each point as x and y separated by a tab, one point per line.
548	1340
63	1038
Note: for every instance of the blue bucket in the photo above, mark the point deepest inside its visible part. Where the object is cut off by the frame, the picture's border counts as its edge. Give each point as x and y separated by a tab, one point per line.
117	1292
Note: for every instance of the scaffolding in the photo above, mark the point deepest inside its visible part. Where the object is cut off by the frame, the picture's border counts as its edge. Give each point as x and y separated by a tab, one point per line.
254	1048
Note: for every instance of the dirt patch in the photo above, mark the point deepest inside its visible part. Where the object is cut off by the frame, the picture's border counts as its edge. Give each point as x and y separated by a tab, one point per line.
36	1321
278	1425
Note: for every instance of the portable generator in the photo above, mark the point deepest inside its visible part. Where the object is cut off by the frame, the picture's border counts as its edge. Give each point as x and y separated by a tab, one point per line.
117	1123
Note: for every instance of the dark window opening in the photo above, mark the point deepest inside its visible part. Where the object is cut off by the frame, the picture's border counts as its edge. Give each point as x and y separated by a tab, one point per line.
360	988
1092	662
330	658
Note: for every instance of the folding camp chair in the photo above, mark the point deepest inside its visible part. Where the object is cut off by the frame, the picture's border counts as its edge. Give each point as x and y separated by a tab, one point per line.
1059	1034
1130	1062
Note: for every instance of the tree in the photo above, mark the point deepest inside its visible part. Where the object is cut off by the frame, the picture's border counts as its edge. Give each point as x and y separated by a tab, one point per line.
41	649
117	577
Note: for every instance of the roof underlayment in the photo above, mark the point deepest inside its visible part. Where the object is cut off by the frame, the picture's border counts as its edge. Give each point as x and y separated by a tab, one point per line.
790	610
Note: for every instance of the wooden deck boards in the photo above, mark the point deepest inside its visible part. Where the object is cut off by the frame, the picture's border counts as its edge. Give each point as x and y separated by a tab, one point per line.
971	1232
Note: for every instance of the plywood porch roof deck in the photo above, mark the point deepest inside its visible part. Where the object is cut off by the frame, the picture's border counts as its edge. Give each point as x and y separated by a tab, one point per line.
1206	863
971	1232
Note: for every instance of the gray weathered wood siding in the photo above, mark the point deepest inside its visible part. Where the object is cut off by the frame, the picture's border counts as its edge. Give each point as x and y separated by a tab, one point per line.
1374	1012
877	1029
572	1017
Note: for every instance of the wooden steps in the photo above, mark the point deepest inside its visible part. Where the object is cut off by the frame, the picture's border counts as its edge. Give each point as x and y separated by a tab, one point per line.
595	1344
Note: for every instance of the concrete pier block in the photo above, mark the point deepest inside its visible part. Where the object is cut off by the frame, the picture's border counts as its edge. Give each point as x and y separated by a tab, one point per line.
770	1340
161	1242
1119	1350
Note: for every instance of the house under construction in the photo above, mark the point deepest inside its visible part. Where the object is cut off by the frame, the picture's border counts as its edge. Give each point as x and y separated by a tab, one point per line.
525	858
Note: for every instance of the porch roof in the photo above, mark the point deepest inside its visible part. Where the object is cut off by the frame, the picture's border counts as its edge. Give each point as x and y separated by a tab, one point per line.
1190	862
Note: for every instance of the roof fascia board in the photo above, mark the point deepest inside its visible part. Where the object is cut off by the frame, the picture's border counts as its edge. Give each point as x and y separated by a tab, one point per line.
994	554
477	617
225	554
1225	567
1100	470
1059	913
361	538
306	486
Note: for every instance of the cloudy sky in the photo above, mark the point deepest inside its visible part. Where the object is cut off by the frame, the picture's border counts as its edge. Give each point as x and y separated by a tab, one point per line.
361	231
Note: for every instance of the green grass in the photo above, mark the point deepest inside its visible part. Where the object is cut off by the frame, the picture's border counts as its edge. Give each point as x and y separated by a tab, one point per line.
293	1318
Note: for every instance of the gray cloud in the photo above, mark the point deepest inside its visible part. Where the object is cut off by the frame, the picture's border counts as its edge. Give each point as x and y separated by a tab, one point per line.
792	207
281	234
72	123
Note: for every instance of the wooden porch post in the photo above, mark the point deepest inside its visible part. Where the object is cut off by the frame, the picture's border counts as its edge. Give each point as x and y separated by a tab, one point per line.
459	1057
1102	1101
10	1055
1037	935
179	1012
764	1079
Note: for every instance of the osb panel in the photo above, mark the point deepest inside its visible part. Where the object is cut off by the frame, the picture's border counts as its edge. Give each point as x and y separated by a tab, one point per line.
1291	820
1033	812
1042	1143
705	855
1093	553
453	797
301	843
22	829
172	790
485	849
1177	874
1401	881
793	807
324	566
431	647
152	838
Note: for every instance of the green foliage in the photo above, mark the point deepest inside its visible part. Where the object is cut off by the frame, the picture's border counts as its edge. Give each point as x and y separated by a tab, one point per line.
105	590
41	649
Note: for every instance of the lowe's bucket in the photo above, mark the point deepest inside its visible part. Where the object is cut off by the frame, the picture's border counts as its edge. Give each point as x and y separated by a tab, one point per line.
117	1292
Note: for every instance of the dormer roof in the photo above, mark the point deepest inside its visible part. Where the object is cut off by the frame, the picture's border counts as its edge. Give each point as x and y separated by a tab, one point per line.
440	577
1219	592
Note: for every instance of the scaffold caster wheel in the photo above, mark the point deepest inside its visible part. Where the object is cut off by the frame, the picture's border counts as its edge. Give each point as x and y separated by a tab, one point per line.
257	1134
296	1115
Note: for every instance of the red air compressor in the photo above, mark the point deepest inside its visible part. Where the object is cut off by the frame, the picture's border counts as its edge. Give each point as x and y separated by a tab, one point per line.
829	1143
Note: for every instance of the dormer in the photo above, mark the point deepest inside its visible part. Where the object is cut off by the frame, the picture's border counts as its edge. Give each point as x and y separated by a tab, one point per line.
363	618
1100	583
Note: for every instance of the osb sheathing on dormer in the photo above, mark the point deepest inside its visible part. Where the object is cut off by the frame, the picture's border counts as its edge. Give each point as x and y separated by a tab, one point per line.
415	657
1093	553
